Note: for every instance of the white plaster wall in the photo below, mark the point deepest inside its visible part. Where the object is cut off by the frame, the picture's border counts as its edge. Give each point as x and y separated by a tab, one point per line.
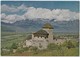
28	43
59	41
32	36
38	40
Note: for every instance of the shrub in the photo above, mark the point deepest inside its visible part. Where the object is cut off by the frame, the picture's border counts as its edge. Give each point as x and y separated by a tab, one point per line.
70	45
34	48
64	44
76	44
29	37
20	50
52	46
14	46
26	49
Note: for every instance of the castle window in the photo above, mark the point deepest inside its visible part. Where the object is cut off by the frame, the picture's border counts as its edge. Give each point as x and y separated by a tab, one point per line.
46	37
38	36
40	45
53	38
34	36
56	39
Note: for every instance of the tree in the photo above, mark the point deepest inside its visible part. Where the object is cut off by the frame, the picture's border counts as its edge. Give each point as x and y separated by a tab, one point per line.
29	37
70	45
52	46
26	48
20	50
34	49
14	46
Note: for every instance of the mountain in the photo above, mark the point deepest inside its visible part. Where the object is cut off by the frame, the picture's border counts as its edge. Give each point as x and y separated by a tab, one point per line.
35	25
7	27
66	26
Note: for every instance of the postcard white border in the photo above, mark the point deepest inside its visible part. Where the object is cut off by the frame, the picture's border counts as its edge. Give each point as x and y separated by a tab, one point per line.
38	56
40	0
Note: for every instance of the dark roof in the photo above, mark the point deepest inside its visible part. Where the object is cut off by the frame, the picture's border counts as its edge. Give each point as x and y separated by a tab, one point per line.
48	25
41	33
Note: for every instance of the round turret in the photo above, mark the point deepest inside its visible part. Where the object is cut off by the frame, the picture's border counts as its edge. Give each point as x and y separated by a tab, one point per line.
48	26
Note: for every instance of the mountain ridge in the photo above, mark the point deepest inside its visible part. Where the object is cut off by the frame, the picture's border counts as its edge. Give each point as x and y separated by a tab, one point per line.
31	25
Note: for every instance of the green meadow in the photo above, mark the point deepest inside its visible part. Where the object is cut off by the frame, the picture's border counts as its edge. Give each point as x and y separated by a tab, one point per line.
8	38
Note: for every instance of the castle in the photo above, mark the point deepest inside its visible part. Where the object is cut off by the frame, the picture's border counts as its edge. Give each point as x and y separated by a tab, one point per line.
43	37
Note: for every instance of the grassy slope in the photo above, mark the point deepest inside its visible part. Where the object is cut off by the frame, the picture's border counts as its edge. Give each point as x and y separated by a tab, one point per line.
8	38
64	52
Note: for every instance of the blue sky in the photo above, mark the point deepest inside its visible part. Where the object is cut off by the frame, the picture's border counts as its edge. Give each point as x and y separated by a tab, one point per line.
12	11
72	5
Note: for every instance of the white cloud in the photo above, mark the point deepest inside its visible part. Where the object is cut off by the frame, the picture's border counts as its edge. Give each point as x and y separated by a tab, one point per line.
11	18
57	14
64	15
22	7
37	13
12	9
6	8
3	15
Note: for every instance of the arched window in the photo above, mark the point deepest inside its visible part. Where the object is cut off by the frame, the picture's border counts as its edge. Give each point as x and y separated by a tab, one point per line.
56	39
40	45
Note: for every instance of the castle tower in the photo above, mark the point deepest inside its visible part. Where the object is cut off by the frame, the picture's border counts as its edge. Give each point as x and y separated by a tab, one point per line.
49	29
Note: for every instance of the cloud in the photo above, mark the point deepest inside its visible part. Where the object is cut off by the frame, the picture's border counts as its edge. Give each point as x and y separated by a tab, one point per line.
6	8
11	18
33	13
57	14
12	9
64	15
3	15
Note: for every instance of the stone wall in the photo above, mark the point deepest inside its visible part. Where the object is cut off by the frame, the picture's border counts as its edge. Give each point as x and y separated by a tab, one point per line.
40	42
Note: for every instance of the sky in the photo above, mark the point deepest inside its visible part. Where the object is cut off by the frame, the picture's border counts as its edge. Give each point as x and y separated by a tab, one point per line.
12	11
